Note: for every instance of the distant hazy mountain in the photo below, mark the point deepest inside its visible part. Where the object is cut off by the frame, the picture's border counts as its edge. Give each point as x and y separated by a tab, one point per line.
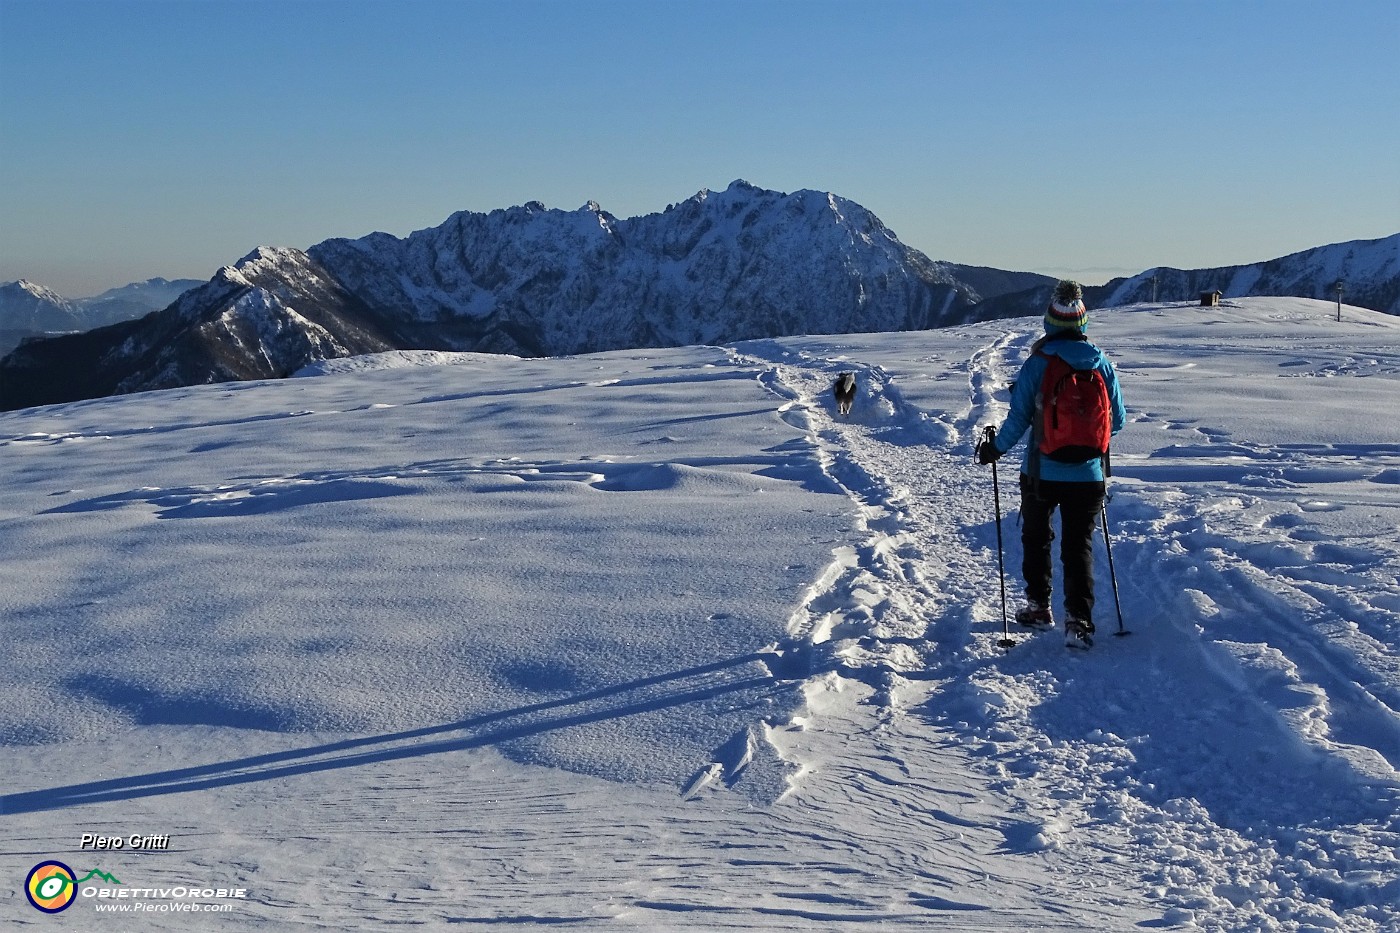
27	305
30	310
130	301
718	267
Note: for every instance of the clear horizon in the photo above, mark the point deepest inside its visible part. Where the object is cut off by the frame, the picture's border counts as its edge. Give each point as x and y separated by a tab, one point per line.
1091	139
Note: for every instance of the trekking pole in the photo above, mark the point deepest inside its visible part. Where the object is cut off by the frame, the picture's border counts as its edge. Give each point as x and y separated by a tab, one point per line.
1107	546
1111	575
1006	639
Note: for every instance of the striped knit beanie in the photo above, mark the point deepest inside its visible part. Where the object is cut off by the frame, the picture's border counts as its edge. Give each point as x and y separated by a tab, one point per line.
1066	309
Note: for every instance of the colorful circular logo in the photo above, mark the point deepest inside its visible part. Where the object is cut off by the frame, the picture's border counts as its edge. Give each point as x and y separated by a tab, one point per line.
50	887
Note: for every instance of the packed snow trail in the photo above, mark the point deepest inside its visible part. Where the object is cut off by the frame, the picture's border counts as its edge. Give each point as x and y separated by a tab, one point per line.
1273	752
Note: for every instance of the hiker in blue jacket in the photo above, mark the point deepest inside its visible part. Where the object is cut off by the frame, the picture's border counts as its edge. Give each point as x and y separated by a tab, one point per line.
1076	489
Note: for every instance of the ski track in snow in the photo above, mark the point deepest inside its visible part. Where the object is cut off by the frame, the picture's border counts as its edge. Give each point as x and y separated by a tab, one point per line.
928	778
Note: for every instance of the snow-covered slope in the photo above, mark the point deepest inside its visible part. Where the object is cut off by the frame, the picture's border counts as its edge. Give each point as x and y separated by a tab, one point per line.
654	640
720	266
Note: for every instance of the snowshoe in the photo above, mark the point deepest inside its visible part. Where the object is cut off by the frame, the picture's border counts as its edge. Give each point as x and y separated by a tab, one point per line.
1079	634
1035	616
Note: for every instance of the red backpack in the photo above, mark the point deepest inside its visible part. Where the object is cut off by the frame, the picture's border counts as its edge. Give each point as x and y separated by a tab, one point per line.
1073	412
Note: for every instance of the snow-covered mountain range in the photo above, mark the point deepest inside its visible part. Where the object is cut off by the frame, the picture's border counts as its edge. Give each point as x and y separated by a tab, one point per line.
730	265
28	309
721	266
738	264
32	306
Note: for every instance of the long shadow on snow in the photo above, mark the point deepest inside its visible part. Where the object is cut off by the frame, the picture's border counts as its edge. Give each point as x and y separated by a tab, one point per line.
491	729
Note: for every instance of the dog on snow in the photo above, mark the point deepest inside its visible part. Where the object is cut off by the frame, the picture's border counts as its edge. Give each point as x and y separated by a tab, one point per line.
844	388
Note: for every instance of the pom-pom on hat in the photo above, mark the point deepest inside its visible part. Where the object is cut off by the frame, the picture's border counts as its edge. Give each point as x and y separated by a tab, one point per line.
1066	309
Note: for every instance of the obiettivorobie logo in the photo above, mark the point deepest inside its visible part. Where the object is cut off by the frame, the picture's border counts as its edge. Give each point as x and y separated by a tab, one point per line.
52	886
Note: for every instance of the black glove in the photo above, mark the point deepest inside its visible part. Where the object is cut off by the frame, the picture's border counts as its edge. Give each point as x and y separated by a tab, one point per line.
987	450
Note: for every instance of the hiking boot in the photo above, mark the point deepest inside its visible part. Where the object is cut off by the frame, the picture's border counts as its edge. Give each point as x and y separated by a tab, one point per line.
1079	633
1035	616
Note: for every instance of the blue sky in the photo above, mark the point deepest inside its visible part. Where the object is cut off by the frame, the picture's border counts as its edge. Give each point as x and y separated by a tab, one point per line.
169	138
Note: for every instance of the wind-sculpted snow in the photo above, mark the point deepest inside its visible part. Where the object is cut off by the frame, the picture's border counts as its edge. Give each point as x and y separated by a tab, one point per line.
657	639
518	465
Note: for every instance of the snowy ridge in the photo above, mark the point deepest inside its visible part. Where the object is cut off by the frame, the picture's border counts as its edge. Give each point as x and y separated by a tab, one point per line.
1368	269
394	359
657	639
34	295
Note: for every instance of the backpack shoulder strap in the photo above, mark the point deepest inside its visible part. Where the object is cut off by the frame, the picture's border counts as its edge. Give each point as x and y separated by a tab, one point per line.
1038	417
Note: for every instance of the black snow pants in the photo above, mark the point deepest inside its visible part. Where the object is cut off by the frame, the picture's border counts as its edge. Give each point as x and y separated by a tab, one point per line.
1079	505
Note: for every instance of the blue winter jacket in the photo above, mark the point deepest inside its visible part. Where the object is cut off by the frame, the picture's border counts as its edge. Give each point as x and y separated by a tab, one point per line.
1081	354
